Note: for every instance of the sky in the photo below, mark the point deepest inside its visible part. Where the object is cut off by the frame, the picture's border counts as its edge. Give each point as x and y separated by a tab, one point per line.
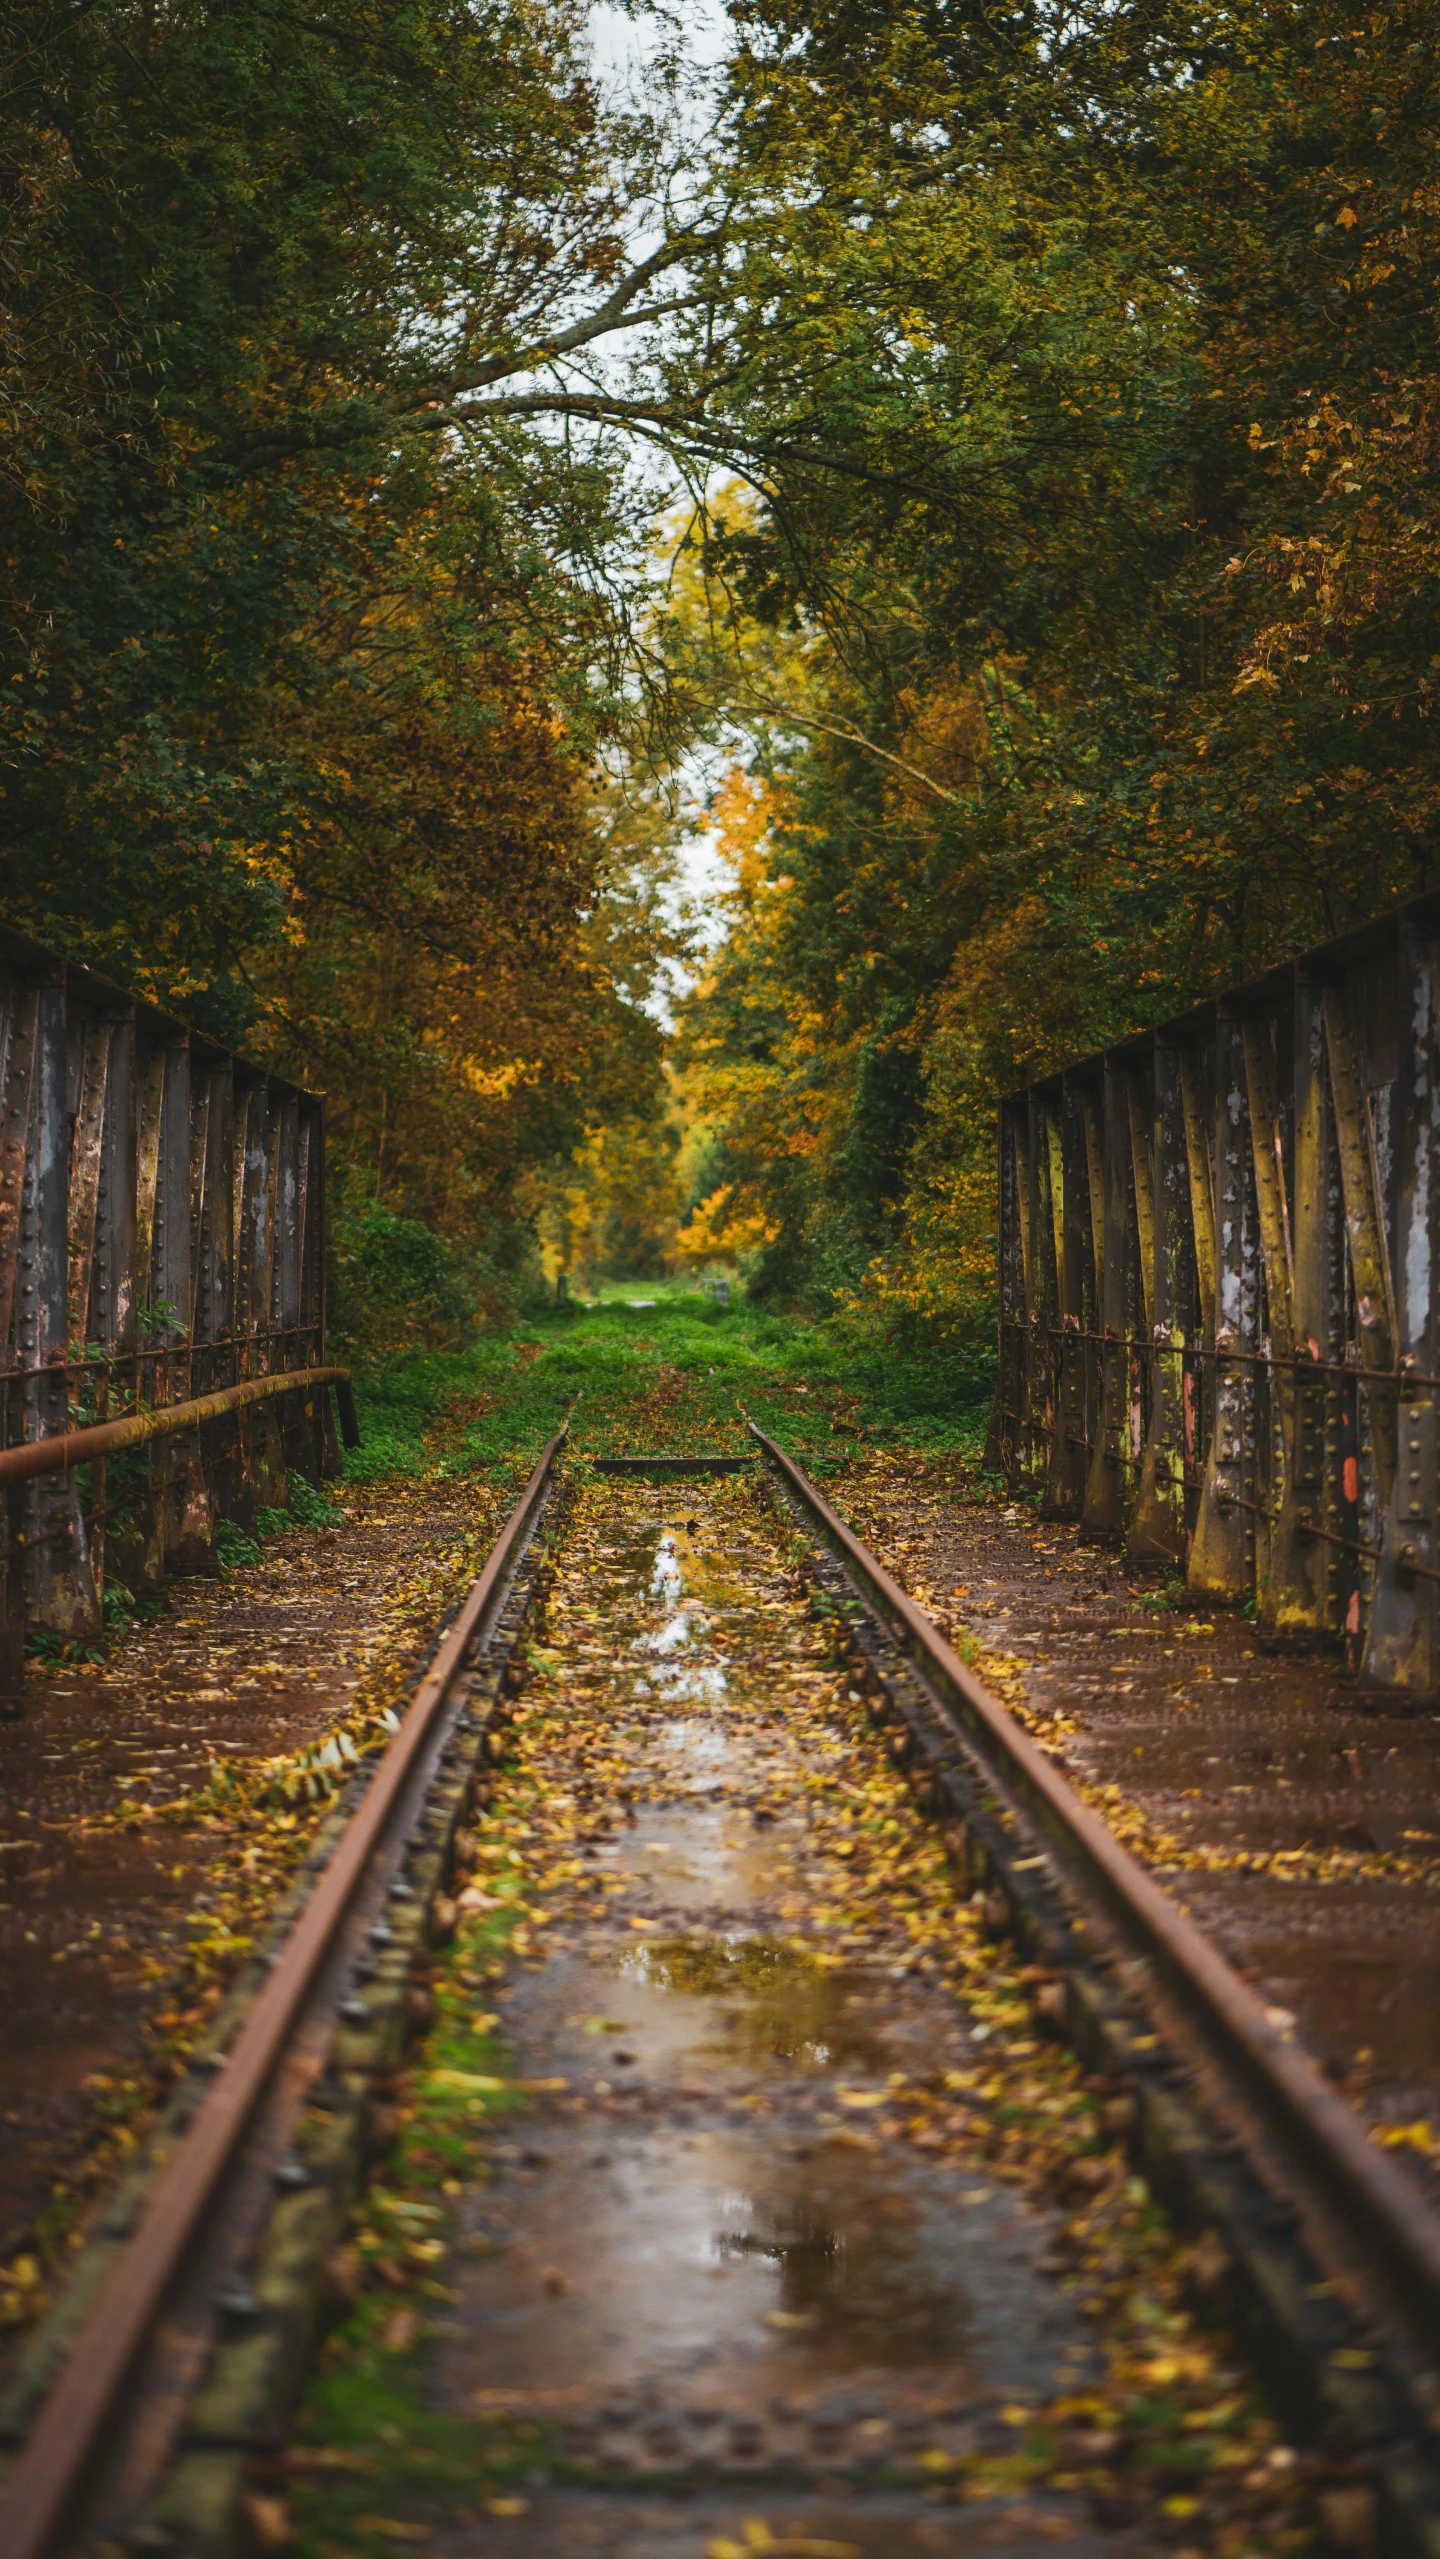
620	46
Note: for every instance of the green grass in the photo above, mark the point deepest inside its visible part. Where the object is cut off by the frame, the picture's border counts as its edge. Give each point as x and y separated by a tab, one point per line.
677	1374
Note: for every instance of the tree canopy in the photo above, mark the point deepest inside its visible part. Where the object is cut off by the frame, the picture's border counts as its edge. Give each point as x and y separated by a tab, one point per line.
999	442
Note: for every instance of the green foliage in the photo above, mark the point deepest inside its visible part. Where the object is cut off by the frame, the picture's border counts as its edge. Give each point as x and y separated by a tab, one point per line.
121	1611
302	676
307	1507
394	1284
233	1547
1086	640
821	1388
1055	399
309	1504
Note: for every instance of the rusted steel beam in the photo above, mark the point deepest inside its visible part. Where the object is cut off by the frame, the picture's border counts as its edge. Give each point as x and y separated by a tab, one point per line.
161	1241
61	1454
1219	1257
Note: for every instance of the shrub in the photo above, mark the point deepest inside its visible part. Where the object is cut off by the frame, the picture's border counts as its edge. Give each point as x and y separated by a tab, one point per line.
395	1286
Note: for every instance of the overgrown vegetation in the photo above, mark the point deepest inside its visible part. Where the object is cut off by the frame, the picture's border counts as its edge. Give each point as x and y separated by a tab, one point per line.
998	447
614	1366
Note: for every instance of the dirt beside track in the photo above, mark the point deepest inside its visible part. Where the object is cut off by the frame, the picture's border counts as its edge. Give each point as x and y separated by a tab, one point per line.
1293	1814
124	1905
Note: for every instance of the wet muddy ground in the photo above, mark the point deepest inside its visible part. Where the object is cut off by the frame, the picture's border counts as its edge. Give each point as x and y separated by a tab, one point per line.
101	1899
784	2250
1294	1815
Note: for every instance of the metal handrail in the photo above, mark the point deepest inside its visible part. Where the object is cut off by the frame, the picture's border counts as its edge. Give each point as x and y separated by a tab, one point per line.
65	1450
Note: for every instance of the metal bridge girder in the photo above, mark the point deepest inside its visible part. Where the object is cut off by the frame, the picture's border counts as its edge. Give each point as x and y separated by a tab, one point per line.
161	1238
1220	1296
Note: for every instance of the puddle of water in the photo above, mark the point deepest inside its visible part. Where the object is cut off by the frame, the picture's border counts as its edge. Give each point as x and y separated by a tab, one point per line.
728	2265
775	2006
659	2527
675	2254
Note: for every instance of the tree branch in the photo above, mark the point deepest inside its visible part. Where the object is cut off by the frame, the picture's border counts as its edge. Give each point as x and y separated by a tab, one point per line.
613	313
855	737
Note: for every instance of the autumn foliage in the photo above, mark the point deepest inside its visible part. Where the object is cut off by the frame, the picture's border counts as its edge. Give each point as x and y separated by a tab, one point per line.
1002	441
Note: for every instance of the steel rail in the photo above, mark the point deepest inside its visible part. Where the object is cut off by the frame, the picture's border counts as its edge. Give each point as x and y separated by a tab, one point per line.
1354	2180
51	2470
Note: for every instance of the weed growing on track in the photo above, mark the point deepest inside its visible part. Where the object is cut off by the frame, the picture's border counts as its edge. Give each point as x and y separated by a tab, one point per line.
676	1372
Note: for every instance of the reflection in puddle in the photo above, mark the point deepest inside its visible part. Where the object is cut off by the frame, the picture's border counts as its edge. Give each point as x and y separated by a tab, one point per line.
789	2009
678	2245
725	2261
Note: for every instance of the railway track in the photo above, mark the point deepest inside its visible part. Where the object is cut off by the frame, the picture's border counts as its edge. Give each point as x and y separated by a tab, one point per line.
144	2404
100	2410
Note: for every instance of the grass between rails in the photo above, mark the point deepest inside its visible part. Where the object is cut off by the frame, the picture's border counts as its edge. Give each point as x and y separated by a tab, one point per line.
675	1373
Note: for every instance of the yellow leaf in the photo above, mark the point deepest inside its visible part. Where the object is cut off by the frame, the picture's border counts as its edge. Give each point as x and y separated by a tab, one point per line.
1417	2136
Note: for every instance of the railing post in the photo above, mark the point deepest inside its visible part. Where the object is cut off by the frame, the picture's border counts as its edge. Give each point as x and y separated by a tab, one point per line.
1070	1454
1222	1555
1002	1447
1400	1637
186	1510
1106	1487
60	1594
1158	1526
1300	1598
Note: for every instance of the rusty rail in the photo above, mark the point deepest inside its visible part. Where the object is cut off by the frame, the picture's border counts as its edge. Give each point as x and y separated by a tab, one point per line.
1219	1266
1359	2189
70	2432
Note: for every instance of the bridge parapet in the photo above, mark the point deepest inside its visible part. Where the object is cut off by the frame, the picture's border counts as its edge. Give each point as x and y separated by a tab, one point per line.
1220	1296
162	1210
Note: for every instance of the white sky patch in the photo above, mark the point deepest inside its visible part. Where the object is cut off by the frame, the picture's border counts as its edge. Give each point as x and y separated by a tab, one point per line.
621	45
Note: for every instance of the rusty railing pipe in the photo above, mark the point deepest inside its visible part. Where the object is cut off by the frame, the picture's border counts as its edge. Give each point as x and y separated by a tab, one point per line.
65	1450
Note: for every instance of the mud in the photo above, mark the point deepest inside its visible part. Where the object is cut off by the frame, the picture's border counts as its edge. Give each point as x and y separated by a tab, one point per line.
93	1918
1236	1752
